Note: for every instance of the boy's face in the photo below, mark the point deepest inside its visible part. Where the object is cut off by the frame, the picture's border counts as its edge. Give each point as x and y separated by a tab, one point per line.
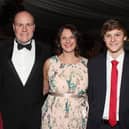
114	40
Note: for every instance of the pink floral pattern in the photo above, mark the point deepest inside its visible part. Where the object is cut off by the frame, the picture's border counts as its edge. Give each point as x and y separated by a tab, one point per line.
64	112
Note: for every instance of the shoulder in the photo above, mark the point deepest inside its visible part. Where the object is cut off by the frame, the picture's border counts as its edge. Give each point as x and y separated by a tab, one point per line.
84	60
127	53
96	62
43	45
43	49
46	64
5	45
53	59
50	60
97	58
126	56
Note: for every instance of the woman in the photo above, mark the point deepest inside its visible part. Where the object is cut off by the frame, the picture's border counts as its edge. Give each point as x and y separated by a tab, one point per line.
66	82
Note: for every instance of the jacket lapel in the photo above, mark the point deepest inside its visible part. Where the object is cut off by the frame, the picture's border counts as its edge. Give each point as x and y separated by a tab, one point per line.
10	64
102	78
124	82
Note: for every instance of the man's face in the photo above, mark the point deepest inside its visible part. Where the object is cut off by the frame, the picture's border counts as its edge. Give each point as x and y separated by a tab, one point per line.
23	27
114	40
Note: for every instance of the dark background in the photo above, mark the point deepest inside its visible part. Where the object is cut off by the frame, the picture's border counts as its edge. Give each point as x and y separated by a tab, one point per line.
87	15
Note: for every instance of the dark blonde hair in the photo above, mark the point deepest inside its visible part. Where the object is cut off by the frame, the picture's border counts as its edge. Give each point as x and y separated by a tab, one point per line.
73	29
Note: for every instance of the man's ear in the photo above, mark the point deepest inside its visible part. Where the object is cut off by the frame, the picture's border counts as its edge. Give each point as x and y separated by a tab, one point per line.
13	27
125	38
34	28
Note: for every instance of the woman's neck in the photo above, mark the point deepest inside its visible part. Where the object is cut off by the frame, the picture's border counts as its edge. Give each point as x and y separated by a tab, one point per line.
69	58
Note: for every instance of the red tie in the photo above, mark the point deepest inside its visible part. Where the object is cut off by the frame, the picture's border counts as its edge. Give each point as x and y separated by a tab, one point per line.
113	94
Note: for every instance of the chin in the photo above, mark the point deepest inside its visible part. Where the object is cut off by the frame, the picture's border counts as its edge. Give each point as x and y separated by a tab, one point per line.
24	41
114	51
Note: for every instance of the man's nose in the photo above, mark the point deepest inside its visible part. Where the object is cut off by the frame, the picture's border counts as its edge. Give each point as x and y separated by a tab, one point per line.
24	28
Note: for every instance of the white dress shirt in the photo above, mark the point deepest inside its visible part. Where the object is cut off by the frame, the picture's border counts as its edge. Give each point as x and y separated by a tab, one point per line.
23	61
108	84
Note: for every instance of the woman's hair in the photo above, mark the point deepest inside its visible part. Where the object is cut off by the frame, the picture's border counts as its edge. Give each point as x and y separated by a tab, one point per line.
73	29
112	24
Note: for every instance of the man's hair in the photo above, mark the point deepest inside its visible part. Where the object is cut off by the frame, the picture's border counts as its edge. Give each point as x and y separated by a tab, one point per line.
112	24
21	11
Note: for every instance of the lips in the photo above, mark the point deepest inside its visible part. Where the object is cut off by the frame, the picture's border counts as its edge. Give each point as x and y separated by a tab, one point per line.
68	45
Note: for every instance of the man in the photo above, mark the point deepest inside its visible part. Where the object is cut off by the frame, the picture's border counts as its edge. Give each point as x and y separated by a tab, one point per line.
109	81
21	76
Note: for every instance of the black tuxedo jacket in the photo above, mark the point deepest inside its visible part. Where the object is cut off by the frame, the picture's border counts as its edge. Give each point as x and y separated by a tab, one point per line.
21	105
97	92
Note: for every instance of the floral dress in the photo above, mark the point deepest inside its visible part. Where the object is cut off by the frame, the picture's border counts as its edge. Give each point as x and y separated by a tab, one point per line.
66	106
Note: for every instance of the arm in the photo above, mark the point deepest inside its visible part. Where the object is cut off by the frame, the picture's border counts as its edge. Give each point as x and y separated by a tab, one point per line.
45	77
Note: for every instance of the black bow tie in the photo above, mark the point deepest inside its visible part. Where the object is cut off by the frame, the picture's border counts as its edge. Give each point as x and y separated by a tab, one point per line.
21	46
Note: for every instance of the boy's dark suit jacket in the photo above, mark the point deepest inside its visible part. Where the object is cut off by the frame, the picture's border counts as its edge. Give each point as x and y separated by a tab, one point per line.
21	105
97	92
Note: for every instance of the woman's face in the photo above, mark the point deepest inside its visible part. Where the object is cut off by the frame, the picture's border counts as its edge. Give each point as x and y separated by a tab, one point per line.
68	41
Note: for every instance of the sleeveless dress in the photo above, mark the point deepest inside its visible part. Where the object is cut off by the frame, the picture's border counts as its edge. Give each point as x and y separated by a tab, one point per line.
66	106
